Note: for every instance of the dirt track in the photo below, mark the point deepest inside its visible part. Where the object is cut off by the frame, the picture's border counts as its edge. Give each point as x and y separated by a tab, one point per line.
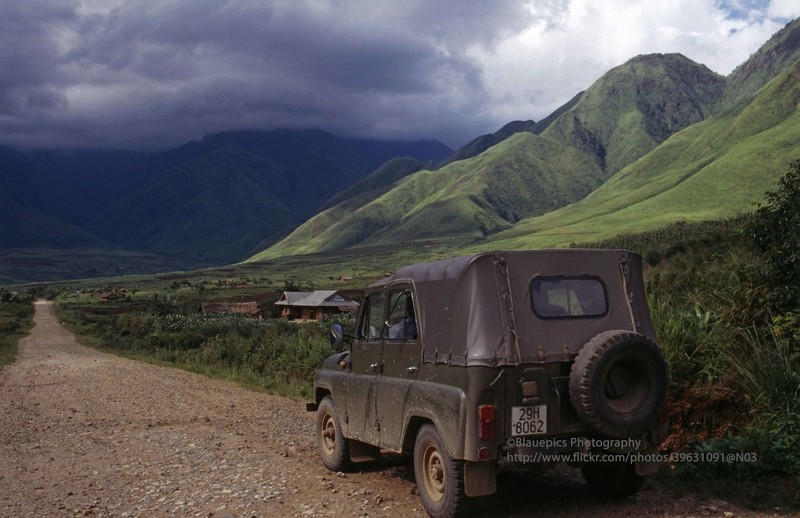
88	433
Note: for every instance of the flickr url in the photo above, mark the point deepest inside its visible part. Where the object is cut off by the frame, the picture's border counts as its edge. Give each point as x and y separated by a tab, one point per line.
631	457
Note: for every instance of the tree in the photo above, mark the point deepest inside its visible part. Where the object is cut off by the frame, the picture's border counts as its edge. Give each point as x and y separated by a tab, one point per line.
776	234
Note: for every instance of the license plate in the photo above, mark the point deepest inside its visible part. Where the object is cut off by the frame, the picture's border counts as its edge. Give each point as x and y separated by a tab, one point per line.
528	420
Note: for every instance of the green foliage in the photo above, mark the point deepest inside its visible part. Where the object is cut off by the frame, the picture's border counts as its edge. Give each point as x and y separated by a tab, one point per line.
16	319
683	335
766	366
758	453
674	240
776	232
270	354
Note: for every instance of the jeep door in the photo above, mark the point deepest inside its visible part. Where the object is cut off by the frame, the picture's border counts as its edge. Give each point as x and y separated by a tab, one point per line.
401	358
365	364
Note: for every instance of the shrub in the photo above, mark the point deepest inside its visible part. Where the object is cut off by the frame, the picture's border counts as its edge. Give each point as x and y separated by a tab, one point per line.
682	334
776	233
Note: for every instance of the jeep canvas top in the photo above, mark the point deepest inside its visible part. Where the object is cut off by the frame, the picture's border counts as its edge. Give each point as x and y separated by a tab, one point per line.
496	361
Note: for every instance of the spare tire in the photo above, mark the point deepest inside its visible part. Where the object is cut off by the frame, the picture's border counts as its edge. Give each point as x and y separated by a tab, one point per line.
618	383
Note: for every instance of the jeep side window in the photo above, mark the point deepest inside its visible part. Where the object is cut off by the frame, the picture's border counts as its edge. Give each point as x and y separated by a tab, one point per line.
568	297
372	320
402	324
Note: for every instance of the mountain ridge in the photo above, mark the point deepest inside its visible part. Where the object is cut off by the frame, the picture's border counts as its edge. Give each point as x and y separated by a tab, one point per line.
616	120
246	186
640	145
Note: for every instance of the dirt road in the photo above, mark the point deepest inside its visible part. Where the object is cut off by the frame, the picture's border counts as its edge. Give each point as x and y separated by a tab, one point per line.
90	434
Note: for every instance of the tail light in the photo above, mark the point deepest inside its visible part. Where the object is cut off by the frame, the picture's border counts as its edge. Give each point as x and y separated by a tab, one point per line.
486	415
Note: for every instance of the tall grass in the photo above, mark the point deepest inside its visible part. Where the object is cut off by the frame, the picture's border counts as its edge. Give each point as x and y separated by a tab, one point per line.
684	335
269	354
16	319
767	369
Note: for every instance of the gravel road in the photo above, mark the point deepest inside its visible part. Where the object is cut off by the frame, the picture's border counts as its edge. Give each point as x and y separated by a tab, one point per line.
85	433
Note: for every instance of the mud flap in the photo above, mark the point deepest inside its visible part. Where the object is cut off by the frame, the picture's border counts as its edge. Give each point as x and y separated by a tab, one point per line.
361	452
480	478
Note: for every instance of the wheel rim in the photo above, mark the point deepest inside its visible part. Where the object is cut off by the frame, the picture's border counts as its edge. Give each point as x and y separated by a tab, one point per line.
625	387
433	472
327	434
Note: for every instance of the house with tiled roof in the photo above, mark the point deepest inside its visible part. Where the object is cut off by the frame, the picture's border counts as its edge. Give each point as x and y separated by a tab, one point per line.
313	305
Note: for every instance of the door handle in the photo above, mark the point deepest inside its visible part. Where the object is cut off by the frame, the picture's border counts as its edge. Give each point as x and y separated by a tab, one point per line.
411	370
374	367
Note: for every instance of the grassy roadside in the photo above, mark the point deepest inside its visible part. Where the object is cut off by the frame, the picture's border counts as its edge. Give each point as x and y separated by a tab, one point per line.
16	319
268	355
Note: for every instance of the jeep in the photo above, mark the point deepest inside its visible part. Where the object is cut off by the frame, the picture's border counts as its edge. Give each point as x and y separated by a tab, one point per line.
498	361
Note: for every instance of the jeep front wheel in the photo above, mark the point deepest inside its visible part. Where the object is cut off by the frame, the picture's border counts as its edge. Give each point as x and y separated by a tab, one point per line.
332	446
618	383
439	477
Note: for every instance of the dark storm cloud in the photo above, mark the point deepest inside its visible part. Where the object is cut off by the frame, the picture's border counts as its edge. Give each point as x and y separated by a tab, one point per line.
156	73
159	73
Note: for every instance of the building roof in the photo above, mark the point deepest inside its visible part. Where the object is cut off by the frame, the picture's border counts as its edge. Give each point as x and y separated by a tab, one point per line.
291	298
316	299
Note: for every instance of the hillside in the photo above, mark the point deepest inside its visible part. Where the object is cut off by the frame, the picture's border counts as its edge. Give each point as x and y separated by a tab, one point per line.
464	201
634	107
480	144
714	169
214	207
531	168
214	201
661	139
21	201
780	52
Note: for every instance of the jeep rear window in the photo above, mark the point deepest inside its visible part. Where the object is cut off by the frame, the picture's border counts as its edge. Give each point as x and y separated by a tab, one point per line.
563	297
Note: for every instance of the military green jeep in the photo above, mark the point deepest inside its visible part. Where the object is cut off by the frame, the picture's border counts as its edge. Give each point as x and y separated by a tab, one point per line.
499	361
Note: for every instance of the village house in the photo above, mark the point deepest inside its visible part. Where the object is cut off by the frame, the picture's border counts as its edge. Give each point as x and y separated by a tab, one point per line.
313	305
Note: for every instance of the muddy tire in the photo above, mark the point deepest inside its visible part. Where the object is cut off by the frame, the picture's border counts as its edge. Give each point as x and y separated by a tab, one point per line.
618	383
332	446
613	479
439	477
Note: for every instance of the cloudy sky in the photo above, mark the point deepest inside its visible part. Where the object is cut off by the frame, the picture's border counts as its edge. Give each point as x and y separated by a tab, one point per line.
154	74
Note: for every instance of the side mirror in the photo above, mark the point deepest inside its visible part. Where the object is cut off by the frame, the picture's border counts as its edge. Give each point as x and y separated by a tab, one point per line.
337	336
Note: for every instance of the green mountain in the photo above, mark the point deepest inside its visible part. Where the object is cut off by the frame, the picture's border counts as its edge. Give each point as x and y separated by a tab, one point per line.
634	107
480	144
214	207
464	201
780	52
214	201
242	190
380	179
21	202
657	140
715	169
528	168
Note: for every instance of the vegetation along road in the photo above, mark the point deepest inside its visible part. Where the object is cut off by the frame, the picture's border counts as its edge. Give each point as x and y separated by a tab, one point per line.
92	434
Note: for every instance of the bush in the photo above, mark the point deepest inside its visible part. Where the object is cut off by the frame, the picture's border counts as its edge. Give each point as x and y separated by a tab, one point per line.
270	353
682	334
16	319
776	233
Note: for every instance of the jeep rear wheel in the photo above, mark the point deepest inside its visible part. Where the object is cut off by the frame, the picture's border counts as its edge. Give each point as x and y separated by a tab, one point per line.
618	383
332	446
439	477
